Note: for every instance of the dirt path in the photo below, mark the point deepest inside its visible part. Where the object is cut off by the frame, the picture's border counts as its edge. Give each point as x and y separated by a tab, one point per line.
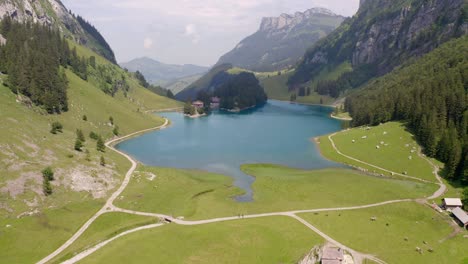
107	207
358	257
165	110
437	194
90	251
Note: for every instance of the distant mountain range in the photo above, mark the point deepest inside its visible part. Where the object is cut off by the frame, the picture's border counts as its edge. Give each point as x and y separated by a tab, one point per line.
159	73
282	41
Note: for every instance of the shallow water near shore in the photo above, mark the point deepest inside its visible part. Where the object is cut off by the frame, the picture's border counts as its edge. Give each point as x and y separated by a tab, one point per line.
277	133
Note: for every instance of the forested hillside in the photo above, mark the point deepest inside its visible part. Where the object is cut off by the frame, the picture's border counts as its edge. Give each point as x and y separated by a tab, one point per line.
35	57
53	13
431	94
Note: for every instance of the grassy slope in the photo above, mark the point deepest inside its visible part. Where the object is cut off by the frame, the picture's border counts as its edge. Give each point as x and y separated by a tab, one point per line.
200	195
276	85
394	157
27	147
272	240
105	227
416	222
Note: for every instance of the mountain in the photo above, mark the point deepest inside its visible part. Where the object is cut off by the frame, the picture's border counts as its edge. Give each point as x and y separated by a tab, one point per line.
381	36
407	64
54	13
178	85
281	41
208	82
159	73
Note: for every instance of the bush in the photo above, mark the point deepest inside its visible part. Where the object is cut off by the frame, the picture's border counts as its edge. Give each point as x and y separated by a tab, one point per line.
100	145
80	135
47	177
56	127
46	187
78	144
103	161
85	118
93	135
48	174
116	131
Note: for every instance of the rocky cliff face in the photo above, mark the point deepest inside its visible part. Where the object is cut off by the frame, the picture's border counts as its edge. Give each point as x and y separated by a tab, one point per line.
408	25
281	41
54	13
386	33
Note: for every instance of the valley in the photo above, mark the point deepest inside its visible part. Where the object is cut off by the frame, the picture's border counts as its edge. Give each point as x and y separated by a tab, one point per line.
319	138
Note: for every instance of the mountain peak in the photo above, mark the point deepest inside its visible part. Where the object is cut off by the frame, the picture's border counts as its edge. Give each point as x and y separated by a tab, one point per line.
289	20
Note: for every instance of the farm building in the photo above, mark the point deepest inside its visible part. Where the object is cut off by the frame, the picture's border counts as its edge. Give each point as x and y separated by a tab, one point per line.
452	203
332	255
461	216
215	102
198	104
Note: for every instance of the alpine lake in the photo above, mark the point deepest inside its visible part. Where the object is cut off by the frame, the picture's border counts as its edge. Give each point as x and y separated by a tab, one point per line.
276	133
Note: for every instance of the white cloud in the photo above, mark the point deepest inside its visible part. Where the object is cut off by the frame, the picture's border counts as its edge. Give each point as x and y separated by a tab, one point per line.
148	43
191	31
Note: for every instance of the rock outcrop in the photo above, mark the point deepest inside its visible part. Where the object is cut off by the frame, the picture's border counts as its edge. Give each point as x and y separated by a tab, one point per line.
404	27
281	41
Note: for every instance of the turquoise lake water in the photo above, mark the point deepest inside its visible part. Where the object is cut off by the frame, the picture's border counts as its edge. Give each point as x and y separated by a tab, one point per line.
277	133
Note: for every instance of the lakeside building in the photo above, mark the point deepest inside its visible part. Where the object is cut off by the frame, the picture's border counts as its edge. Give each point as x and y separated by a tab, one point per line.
198	104
215	102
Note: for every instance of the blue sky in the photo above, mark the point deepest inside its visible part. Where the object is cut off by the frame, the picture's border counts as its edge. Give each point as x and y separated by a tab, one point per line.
187	31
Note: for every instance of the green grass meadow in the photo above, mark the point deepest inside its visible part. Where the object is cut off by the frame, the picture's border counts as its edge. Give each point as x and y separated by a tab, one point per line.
398	152
263	240
201	195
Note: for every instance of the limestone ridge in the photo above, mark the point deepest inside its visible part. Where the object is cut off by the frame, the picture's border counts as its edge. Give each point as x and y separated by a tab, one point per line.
286	21
281	41
385	34
54	13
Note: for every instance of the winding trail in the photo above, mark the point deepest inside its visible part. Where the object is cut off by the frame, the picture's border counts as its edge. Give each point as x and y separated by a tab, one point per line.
110	207
109	203
358	257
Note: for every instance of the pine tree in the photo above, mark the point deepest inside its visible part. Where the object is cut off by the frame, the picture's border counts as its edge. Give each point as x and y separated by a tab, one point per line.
48	174
116	131
46	187
100	145
78	144
103	161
